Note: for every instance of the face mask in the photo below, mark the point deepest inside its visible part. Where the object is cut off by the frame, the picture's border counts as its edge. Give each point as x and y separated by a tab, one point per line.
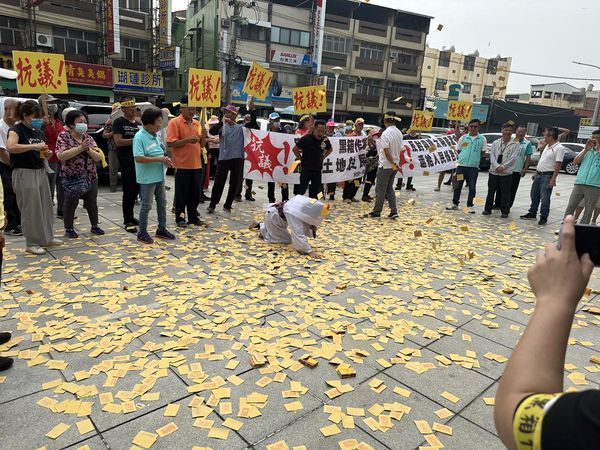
81	127
37	124
52	109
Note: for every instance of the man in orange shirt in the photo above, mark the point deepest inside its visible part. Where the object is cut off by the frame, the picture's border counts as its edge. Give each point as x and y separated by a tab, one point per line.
185	142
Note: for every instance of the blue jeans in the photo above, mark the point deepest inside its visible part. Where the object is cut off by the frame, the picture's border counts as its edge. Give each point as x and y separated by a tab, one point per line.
148	192
541	191
470	175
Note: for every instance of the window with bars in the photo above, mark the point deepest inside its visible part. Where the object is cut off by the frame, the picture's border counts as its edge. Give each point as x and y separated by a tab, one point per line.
492	66
444	59
368	87
440	84
134	50
488	90
469	63
467	88
336	44
12	31
136	5
287	36
70	40
371	51
341	86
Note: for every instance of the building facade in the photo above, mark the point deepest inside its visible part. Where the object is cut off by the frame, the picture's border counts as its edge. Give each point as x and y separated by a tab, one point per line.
480	77
380	52
79	30
559	95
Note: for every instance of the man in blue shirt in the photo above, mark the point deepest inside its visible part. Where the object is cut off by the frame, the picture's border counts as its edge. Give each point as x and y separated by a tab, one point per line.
587	183
469	147
150	161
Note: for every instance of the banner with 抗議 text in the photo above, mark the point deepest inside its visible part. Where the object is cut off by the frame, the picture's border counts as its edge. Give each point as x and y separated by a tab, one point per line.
422	121
461	111
424	156
136	81
204	88
309	99
258	81
269	157
40	73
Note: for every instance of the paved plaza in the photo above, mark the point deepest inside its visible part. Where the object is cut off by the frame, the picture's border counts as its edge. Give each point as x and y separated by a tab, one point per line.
119	345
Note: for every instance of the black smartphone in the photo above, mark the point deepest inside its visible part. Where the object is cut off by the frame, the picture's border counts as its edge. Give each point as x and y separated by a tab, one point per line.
587	240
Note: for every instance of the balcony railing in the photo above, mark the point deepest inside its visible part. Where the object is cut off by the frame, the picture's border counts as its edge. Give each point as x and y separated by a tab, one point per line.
404	69
367	101
374	65
339	22
334	59
372	29
403	34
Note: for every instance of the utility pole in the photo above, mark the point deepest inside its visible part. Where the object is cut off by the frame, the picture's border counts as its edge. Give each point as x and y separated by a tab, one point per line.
235	18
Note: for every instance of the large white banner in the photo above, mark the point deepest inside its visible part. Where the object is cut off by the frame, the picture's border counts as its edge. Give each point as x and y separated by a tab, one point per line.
269	157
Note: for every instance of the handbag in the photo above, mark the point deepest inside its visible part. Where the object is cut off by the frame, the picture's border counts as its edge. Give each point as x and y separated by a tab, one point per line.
77	186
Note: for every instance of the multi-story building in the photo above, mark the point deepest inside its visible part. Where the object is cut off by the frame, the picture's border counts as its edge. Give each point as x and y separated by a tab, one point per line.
559	95
78	29
379	51
480	77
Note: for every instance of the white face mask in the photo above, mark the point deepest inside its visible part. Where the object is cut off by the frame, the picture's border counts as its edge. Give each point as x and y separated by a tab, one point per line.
52	109
81	127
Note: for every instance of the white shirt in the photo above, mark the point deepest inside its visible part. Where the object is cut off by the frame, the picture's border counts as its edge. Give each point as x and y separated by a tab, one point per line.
391	138
551	154
3	133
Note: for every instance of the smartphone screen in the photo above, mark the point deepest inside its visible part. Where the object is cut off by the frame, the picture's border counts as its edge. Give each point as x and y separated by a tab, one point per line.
587	240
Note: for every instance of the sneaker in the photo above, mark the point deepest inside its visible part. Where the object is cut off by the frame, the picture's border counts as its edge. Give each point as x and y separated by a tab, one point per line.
198	223
71	233
367	199
97	231
35	250
503	216
486	213
354	200
130	227
452	207
529	216
145	238
543	221
54	242
4	337
5	363
371	215
227	208
181	223
163	233
437	190
210	209
238	198
393	215
16	231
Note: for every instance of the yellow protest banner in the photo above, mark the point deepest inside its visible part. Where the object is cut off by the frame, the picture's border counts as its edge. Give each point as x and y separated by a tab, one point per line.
204	88
459	111
309	99
258	81
422	121
40	73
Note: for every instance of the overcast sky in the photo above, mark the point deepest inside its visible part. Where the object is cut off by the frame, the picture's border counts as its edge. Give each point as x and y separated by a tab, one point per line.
541	36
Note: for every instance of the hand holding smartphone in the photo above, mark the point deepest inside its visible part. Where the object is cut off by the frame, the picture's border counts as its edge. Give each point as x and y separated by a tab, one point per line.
587	240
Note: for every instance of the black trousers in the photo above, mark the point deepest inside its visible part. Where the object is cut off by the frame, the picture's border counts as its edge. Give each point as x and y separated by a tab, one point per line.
130	186
244	184
311	180
502	185
90	202
285	192
331	188
188	189
214	158
232	167
514	187
11	209
351	188
408	182
369	182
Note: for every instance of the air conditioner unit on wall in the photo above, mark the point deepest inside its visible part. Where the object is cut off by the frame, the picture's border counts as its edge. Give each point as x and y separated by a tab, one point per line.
43	40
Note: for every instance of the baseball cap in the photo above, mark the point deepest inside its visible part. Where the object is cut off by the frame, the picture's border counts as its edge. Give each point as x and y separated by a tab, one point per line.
273	116
359	120
330	123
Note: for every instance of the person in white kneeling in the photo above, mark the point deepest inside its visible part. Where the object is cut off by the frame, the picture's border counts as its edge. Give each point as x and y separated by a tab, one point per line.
301	214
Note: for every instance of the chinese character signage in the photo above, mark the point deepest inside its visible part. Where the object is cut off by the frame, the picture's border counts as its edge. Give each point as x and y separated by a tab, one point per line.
169	58
89	74
40	73
459	111
136	81
310	99
204	88
164	23
113	28
258	81
285	57
422	156
318	32
422	121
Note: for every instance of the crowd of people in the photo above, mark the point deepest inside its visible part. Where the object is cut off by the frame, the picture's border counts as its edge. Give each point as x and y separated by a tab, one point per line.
48	157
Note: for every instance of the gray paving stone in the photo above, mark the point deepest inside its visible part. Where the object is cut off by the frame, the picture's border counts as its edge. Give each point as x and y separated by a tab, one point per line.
502	335
94	443
480	413
466	435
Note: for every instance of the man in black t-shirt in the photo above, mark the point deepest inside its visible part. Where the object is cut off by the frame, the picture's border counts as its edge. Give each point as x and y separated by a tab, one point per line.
312	149
124	129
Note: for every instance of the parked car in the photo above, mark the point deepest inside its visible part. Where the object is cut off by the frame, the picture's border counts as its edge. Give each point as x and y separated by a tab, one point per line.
572	150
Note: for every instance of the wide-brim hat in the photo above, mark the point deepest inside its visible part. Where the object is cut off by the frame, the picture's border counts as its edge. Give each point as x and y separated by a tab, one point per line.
213	120
230	108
